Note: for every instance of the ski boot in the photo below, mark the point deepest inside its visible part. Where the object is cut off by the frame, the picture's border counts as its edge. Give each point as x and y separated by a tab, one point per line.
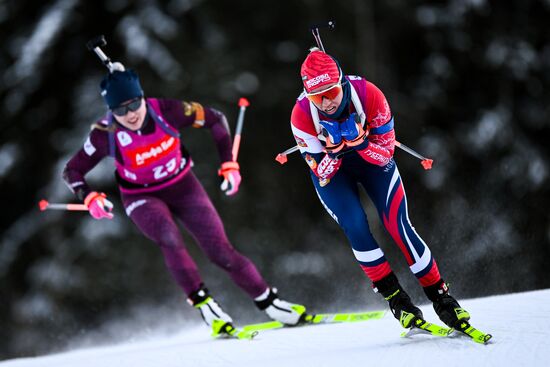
400	303
211	312
279	310
445	306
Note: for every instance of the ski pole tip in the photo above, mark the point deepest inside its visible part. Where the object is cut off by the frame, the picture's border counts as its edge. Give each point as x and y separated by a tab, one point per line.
281	158
427	163
43	204
243	102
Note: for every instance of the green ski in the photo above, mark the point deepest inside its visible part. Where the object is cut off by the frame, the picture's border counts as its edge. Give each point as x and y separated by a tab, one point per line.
421	326
323	318
222	329
464	328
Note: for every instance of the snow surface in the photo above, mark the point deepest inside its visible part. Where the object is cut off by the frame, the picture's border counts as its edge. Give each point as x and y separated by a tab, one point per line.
520	324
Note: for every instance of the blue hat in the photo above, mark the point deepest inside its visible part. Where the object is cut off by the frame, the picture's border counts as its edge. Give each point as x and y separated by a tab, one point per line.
120	86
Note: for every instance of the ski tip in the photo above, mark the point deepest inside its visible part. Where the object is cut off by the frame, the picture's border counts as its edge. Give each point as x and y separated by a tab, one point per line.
466	330
234	333
247	335
487	338
481	338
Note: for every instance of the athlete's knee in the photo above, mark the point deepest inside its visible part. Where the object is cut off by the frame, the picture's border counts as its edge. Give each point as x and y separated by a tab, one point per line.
356	228
226	257
168	237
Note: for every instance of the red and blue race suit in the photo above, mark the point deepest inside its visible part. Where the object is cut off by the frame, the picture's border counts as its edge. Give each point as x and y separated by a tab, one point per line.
337	181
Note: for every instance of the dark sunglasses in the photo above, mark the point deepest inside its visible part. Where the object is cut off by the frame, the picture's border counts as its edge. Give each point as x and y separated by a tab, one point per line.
122	110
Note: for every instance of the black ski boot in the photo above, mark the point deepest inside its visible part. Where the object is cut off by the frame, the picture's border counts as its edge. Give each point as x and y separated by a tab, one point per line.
445	306
400	303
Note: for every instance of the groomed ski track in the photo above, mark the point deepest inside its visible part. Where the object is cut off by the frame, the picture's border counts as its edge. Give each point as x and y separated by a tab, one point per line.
520	324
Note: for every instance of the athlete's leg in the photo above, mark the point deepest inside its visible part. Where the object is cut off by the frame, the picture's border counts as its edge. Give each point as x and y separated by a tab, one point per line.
340	197
153	218
192	205
385	188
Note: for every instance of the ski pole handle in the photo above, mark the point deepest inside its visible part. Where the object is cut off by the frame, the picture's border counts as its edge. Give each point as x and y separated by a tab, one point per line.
243	104
44	205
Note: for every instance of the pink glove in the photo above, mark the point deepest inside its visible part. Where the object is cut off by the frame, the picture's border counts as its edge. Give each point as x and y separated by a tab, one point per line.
231	177
98	205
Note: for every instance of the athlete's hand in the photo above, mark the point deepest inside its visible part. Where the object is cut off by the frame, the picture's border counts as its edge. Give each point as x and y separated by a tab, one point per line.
231	177
352	131
98	205
331	131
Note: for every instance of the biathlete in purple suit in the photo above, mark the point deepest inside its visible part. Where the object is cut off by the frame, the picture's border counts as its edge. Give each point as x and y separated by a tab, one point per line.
344	128
157	186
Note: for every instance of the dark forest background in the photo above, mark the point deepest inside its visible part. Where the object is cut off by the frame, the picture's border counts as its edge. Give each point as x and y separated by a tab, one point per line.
468	82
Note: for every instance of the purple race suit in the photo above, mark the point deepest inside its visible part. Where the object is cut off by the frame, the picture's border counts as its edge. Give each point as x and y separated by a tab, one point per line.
157	185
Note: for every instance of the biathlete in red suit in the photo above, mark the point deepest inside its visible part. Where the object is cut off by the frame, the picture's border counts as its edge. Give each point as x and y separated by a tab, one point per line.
345	131
157	185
